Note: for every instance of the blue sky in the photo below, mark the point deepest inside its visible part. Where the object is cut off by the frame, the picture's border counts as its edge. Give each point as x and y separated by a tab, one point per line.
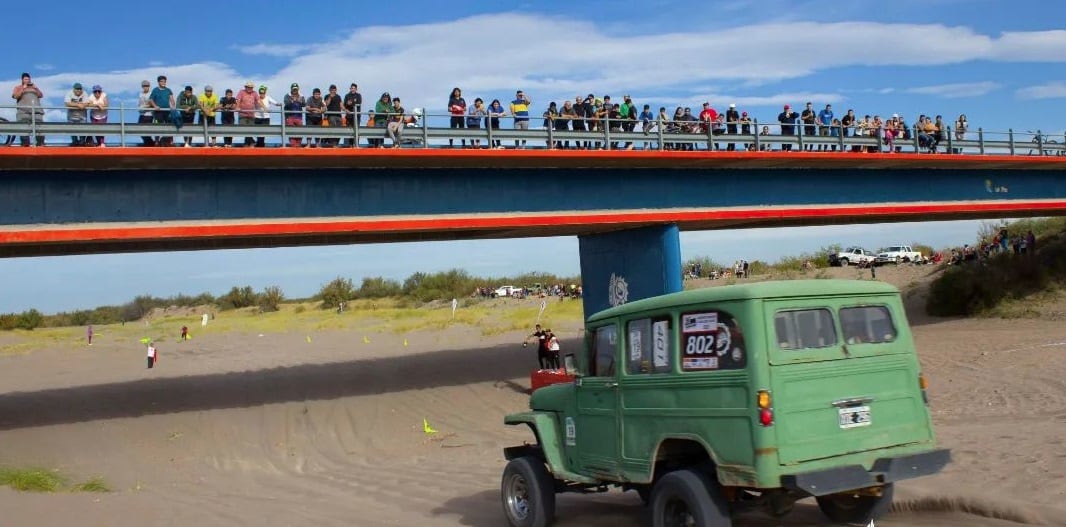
1000	63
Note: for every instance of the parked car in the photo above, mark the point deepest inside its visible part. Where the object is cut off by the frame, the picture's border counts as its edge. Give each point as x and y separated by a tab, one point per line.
852	256
504	290
711	401
898	254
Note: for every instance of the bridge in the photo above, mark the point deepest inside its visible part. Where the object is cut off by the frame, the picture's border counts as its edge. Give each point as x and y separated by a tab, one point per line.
626	206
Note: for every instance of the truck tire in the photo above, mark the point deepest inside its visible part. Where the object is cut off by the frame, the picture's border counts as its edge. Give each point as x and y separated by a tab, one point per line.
528	493
852	508
843	262
688	497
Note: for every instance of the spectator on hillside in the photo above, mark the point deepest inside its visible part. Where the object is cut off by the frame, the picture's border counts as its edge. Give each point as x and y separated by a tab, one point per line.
1030	241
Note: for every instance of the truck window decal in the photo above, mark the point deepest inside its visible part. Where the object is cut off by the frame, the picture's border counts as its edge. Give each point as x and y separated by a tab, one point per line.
648	342
711	340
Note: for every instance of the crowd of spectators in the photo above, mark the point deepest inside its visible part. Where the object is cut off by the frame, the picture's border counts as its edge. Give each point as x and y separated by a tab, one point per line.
1002	242
253	106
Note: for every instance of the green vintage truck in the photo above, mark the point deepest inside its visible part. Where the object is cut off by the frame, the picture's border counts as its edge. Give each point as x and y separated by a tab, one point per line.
710	401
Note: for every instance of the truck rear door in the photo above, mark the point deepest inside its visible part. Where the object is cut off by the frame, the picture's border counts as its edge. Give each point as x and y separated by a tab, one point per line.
844	377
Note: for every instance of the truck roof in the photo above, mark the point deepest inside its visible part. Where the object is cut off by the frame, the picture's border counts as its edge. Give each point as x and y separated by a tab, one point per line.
768	289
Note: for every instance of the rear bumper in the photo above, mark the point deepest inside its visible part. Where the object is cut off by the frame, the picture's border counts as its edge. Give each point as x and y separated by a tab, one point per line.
884	470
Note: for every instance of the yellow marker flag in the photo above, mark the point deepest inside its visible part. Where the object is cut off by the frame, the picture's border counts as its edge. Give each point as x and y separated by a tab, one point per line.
426	428
366	340
405	343
309	339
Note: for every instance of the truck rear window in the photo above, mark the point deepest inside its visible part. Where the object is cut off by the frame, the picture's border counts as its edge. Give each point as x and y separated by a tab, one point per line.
805	329
867	324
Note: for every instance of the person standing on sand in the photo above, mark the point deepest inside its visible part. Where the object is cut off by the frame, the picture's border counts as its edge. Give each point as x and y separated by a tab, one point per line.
151	354
89	334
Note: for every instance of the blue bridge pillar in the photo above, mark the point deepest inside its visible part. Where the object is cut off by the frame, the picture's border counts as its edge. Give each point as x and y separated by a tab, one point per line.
623	266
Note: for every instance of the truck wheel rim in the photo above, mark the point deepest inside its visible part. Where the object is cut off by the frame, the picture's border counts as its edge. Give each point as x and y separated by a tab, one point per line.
518	497
677	514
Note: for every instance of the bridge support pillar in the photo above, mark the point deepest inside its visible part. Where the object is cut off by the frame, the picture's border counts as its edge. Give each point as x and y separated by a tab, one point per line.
627	265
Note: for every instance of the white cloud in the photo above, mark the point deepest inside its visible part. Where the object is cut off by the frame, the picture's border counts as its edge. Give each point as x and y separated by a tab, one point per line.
955	90
43	67
275	50
1051	90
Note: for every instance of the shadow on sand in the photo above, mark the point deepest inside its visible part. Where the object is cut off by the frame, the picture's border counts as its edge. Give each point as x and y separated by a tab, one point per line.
456	367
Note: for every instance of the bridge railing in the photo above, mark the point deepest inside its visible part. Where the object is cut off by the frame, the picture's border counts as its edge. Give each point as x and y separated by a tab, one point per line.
610	135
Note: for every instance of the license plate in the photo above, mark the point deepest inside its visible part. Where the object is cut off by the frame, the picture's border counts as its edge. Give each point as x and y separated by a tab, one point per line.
854	416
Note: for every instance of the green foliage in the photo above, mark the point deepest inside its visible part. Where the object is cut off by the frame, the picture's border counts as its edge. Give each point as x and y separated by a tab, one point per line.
706	265
440	286
31	479
270	299
30	319
332	294
979	287
238	297
378	287
92	485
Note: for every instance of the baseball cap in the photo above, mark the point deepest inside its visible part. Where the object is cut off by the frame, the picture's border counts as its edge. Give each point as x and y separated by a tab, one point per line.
262	87
188	88
743	114
208	88
294	86
97	87
731	105
249	84
787	106
77	85
145	83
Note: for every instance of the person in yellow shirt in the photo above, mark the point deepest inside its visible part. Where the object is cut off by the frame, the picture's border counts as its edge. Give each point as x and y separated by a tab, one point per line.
208	105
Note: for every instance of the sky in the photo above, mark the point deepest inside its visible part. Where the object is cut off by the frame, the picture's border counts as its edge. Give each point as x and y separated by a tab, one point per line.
1000	63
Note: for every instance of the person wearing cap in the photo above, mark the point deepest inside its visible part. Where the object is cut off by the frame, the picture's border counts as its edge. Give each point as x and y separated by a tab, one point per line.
787	118
353	105
745	129
732	118
187	106
247	105
76	102
162	99
293	103
208	105
98	110
144	105
28	103
262	114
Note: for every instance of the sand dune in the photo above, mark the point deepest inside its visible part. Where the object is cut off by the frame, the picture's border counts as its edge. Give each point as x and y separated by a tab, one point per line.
244	430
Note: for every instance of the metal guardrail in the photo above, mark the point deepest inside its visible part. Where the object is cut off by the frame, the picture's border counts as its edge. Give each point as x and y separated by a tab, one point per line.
657	135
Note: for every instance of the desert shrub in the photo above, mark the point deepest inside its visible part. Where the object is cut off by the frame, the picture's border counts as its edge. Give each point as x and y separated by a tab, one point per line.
437	286
30	319
335	292
31	479
270	299
378	287
9	321
299	309
238	297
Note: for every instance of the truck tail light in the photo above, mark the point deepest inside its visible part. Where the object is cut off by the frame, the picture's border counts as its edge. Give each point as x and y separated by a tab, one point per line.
766	410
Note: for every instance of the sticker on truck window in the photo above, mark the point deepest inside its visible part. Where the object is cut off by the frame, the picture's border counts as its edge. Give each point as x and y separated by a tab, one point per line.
636	353
660	342
699	322
711	341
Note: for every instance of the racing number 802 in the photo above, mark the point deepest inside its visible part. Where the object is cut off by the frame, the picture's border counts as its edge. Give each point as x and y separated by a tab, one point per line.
699	345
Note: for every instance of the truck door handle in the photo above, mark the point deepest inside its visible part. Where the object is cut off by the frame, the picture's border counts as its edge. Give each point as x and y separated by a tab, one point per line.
611	384
854	401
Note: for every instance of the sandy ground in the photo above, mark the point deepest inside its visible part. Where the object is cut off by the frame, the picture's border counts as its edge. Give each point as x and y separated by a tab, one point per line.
237	429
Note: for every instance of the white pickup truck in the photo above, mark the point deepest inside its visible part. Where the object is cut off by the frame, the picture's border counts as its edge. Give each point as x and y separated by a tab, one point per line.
504	290
898	254
852	256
